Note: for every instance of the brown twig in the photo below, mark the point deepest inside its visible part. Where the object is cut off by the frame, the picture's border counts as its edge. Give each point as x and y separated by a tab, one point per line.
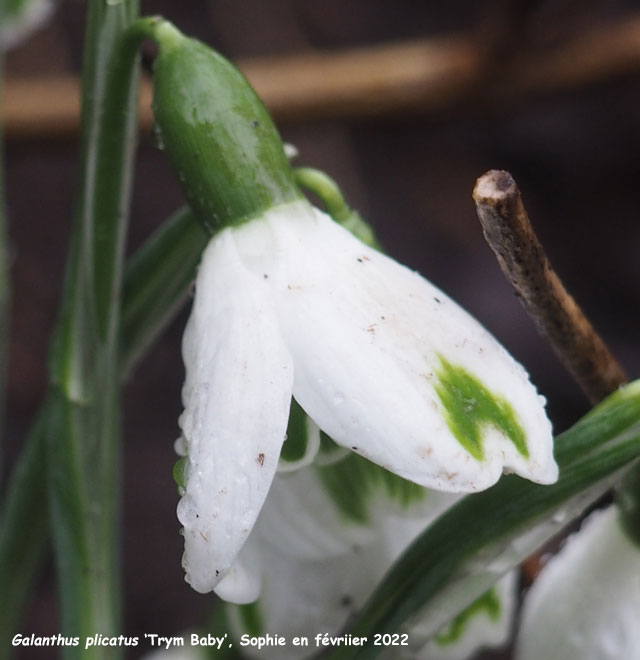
510	235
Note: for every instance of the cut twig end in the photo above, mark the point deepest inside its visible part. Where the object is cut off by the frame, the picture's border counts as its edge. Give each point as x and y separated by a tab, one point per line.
494	187
506	227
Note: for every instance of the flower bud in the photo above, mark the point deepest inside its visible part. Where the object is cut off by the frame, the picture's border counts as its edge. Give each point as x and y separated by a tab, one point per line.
216	132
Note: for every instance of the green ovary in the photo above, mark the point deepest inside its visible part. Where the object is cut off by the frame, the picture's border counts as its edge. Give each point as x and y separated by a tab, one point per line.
470	407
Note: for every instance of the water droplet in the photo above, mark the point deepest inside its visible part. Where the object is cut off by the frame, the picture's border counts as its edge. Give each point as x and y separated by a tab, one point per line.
560	517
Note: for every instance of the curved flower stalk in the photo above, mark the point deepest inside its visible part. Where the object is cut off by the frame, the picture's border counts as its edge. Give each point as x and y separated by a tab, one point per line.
22	17
288	303
597	576
314	561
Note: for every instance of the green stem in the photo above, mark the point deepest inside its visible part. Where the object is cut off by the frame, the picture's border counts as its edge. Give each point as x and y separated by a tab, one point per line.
322	185
82	434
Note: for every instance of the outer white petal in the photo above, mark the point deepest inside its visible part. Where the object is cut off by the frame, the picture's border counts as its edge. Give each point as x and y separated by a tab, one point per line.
366	333
481	631
585	604
237	393
242	583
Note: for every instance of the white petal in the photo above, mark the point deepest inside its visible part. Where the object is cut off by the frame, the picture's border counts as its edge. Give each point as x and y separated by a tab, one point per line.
242	583
237	393
367	336
585	604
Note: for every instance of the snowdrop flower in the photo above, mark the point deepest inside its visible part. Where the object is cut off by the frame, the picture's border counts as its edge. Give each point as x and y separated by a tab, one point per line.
288	303
386	364
597	576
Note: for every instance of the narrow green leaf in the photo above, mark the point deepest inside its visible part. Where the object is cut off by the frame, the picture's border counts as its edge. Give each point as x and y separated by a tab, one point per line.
24	531
83	425
628	500
159	273
156	282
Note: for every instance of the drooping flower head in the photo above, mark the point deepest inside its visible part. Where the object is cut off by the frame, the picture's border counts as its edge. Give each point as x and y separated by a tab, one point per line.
290	304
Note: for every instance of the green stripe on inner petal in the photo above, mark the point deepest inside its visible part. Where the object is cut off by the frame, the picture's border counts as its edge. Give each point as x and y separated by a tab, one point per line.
353	480
489	603
470	407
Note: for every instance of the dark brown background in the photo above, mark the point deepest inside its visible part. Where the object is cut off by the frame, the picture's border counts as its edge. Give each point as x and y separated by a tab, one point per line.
574	153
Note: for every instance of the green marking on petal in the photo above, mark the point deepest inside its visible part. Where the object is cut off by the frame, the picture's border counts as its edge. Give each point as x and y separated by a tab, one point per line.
180	472
351	482
470	407
295	446
488	603
251	618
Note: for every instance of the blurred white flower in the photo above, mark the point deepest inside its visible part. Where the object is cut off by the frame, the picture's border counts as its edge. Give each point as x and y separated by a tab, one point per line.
387	365
585	604
21	18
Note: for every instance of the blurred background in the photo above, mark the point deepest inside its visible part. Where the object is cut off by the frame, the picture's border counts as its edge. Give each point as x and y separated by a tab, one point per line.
405	104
